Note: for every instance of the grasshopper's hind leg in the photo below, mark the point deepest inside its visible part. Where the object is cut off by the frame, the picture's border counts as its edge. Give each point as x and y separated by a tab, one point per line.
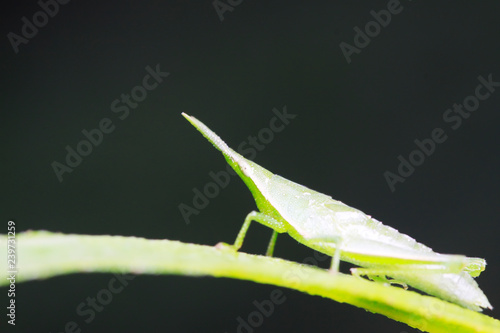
441	265
262	218
449	264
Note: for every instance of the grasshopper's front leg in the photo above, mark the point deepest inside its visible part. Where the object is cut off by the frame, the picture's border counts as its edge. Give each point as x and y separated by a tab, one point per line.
268	221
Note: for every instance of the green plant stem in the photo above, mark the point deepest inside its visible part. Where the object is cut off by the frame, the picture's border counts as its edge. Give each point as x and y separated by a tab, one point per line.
42	254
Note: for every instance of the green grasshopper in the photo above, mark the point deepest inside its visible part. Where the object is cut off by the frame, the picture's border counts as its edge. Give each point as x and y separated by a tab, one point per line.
345	233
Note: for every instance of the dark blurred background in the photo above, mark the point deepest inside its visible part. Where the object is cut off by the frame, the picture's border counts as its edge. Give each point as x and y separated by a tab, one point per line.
231	69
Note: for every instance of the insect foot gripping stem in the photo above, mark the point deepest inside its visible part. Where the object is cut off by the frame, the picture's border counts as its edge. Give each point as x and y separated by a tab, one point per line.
262	218
225	246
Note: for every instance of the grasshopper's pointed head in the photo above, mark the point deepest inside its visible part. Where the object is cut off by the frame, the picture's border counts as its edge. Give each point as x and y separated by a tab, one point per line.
208	133
236	161
248	171
241	165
